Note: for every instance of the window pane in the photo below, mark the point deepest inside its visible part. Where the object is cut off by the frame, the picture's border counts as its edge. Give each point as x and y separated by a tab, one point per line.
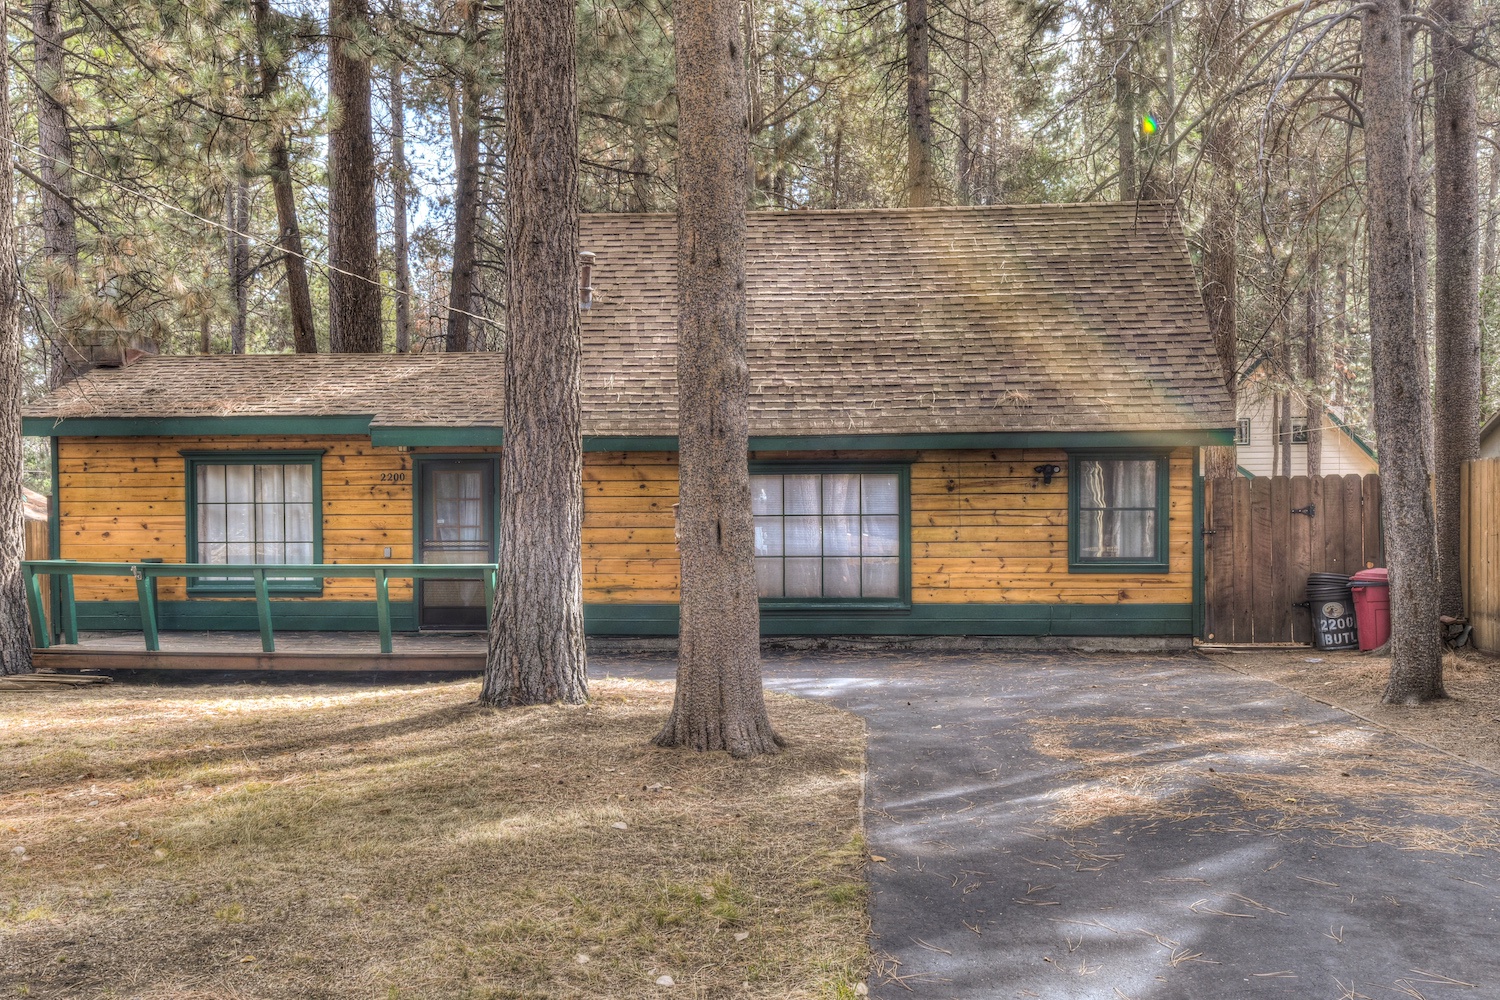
268	484
299	553
270	522
803	536
768	577
841	494
841	536
768	537
882	495
1117	534
211	483
841	577
804	578
800	494
241	522
882	577
1092	492
241	553
1134	484
239	483
298	481
882	536
270	553
765	494
299	522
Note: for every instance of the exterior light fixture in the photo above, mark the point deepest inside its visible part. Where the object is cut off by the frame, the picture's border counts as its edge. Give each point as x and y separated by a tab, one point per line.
585	280
1047	472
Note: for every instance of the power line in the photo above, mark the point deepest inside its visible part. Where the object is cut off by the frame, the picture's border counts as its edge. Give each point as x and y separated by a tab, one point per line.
250	236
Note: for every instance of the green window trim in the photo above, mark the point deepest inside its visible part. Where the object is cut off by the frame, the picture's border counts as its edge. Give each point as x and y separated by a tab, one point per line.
795	606
193	459
1161	563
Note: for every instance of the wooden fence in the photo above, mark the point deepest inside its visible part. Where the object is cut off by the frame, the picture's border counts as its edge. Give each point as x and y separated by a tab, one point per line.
1480	550
1263	536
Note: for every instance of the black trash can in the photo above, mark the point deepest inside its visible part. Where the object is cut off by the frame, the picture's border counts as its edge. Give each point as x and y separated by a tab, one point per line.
1332	606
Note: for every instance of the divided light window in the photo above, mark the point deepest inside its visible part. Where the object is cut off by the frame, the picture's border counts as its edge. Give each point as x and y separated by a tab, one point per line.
829	536
1118	513
254	510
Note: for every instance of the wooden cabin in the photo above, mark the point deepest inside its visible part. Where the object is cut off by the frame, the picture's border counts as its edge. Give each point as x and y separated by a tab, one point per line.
964	421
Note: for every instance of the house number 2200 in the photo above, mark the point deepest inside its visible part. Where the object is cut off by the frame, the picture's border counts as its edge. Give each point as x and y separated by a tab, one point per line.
393	477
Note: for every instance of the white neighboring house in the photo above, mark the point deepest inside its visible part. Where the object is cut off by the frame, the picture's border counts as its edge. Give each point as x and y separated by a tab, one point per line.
1489	438
1343	452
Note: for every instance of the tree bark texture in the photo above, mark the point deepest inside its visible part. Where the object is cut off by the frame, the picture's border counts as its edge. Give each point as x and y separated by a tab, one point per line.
15	630
237	207
354	322
719	703
1400	392
1125	123
279	167
465	227
536	650
1457	386
921	182
1312	368
59	220
1221	232
400	180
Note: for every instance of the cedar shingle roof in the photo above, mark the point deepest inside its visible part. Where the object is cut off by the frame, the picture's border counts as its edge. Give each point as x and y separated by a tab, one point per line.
1021	318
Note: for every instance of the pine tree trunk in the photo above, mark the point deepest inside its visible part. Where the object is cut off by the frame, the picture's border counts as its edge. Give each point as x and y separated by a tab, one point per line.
1125	124
59	221
1312	370
465	227
400	180
239	268
279	167
293	254
719	703
1221	232
15	629
921	184
536	637
1457	387
1400	393
354	320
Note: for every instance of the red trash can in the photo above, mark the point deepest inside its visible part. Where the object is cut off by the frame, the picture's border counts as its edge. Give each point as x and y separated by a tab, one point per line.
1372	607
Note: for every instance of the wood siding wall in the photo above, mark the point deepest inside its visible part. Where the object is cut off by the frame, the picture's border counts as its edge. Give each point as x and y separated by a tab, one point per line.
123	499
1481	550
985	530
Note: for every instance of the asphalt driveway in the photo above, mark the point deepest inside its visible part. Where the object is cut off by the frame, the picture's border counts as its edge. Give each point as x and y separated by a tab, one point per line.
1077	826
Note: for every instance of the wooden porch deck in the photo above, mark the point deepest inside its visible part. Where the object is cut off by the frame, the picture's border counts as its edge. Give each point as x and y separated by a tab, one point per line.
450	652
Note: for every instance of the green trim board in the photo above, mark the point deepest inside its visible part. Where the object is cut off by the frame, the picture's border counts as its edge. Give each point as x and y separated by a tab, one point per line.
1161	563
902	472
192	426
1085	620
54	535
437	437
193	459
1199	591
240	616
266	426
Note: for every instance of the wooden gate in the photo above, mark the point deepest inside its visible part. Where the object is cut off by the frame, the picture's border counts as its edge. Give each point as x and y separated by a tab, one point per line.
1263	536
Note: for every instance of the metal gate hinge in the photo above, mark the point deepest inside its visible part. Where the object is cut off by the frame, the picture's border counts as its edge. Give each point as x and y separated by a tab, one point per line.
1309	510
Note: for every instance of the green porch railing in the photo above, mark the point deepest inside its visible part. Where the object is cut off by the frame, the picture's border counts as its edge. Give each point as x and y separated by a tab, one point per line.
259	576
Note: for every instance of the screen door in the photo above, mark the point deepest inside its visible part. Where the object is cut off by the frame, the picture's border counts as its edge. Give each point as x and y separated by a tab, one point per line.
458	526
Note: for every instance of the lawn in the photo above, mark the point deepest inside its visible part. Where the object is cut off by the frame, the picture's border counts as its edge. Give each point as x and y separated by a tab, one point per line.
397	841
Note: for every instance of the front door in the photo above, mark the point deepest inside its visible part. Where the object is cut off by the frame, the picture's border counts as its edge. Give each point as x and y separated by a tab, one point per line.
457	498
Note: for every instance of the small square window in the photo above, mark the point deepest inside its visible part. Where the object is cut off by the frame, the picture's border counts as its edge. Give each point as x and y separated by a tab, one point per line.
1117	517
1299	430
833	535
1242	431
254	510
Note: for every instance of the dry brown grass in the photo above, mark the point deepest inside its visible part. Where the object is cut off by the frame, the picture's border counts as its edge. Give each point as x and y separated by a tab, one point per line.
1467	725
1342	779
400	842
